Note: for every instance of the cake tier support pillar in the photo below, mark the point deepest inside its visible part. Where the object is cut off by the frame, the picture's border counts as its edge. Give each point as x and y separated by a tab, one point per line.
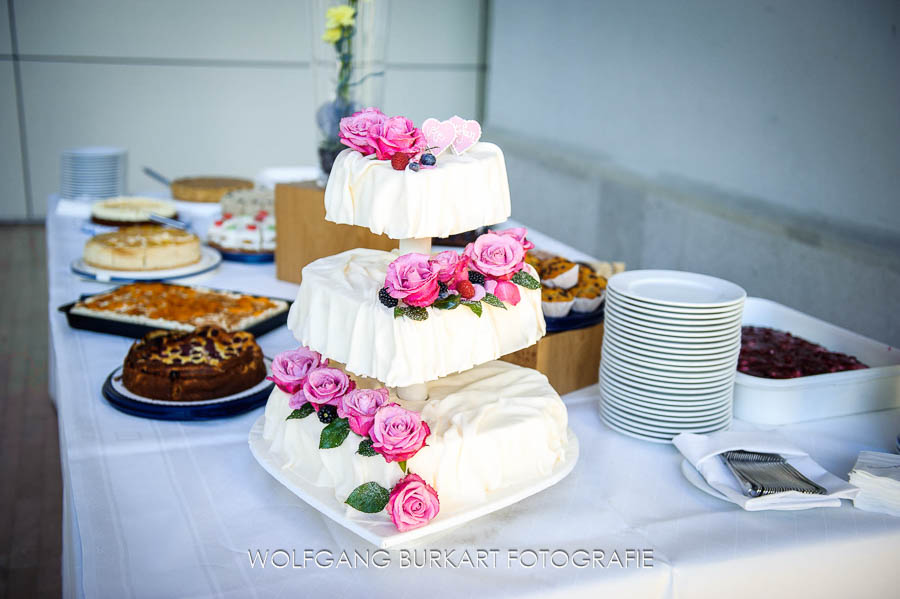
421	246
413	392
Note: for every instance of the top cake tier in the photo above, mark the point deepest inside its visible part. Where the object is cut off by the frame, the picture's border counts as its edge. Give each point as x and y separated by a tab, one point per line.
459	194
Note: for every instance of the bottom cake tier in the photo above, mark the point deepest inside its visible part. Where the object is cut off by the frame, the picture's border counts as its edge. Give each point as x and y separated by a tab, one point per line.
492	427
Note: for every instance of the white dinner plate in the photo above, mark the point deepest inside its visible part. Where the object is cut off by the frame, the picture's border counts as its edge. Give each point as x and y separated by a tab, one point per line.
672	310
666	378
681	337
663	427
677	288
666	342
209	259
661	438
673	397
644	347
678	317
657	415
657	435
675	403
672	367
673	326
669	359
667	411
379	530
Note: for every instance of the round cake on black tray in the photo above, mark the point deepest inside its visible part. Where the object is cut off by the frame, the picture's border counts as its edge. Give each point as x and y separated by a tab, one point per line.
395	399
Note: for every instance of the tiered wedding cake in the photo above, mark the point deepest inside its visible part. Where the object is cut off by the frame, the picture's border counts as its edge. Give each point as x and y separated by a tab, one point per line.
437	423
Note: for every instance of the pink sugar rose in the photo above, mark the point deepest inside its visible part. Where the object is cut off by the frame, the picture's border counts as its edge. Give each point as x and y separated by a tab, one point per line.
412	278
354	129
449	265
289	368
504	290
326	386
497	256
413	503
398	433
395	135
480	292
359	407
517	233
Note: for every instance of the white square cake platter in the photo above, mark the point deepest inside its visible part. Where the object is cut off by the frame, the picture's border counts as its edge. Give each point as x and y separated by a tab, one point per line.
382	532
783	401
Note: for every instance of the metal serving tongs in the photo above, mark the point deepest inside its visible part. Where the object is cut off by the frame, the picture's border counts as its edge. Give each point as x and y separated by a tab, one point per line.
767	473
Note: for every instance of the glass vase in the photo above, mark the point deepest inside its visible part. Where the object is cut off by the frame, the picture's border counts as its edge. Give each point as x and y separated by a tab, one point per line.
347	71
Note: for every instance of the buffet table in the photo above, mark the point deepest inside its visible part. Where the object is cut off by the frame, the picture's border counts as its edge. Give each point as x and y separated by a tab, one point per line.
164	509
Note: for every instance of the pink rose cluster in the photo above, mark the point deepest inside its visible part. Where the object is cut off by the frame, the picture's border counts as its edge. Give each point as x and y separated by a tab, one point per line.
412	503
498	255
290	368
370	131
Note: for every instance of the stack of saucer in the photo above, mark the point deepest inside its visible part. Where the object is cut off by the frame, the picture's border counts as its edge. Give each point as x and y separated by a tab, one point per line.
670	349
92	172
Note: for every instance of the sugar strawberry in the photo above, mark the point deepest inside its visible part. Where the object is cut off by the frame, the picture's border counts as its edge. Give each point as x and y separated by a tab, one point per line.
466	289
399	161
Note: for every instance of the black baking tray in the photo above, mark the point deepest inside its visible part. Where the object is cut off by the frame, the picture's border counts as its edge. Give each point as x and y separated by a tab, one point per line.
137	331
575	320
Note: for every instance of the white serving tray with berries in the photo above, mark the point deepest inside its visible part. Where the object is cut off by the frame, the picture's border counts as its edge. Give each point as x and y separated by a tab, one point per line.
378	528
782	401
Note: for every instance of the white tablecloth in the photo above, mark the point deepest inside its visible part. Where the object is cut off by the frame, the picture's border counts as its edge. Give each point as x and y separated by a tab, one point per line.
166	509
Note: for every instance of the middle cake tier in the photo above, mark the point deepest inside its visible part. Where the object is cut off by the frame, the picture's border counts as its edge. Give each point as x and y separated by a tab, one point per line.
338	314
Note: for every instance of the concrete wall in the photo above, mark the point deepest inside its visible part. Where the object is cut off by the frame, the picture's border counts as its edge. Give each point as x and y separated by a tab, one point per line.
756	141
206	86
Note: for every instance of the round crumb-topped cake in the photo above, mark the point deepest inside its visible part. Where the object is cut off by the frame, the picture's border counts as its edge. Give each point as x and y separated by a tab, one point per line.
130	210
338	313
145	247
491	427
203	364
460	193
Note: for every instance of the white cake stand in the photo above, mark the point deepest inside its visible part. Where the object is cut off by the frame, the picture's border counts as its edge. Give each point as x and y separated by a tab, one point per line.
377	528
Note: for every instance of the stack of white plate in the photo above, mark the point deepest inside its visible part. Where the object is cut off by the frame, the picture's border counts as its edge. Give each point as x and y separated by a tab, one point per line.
670	349
92	172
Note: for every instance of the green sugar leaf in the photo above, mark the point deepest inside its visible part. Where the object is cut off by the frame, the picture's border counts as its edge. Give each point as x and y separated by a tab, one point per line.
301	412
369	498
334	434
526	280
473	306
492	300
448	303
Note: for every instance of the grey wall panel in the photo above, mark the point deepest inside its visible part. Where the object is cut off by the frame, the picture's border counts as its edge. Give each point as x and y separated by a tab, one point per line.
436	32
5	39
273	30
621	216
419	93
12	181
792	102
180	120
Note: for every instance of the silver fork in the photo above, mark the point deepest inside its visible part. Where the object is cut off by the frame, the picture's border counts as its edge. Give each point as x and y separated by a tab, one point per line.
767	473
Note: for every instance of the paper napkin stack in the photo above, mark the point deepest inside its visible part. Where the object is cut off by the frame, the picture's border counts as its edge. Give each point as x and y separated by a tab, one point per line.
878	477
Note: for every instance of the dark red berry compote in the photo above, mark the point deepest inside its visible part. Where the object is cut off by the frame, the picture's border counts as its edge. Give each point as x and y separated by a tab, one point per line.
774	354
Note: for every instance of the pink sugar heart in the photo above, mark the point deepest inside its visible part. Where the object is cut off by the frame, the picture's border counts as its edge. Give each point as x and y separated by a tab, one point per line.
467	134
438	135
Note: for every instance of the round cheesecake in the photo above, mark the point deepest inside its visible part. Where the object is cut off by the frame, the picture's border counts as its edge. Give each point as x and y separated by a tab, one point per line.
206	189
145	247
124	211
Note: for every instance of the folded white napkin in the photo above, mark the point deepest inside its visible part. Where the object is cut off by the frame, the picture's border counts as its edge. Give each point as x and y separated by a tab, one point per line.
878	477
702	452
